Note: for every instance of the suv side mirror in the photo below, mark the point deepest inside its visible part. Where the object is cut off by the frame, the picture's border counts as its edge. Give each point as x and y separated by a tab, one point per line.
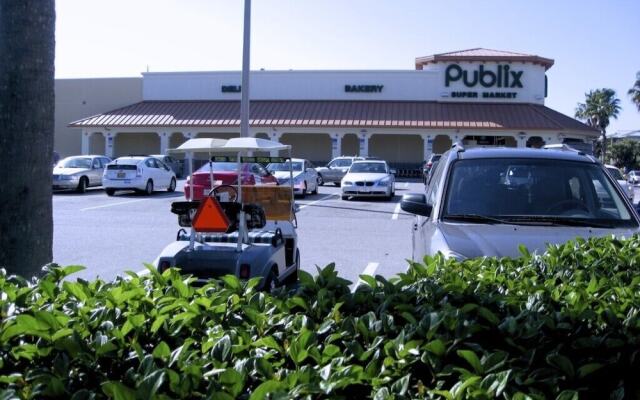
416	203
393	171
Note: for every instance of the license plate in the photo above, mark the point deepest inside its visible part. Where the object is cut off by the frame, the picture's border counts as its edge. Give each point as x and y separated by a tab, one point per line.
121	175
364	190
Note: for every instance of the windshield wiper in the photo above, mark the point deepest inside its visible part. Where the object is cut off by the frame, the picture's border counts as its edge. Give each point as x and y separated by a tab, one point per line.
559	221
474	218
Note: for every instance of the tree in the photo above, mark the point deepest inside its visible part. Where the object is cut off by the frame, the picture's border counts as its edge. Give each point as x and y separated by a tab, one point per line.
626	153
634	92
27	48
600	106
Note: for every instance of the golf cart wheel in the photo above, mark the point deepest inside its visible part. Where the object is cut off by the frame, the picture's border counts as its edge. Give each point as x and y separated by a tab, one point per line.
82	185
271	281
110	192
293	277
148	190
320	180
172	185
230	190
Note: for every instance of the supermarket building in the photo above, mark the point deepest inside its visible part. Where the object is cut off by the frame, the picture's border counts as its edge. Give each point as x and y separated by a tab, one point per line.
479	96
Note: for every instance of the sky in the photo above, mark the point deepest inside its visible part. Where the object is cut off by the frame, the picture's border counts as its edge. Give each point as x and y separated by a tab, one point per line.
595	44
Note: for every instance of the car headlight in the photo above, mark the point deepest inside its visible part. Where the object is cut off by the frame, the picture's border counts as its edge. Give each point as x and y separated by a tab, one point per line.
384	181
298	180
67	177
347	183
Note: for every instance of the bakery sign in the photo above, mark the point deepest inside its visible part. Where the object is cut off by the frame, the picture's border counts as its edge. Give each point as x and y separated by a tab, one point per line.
480	82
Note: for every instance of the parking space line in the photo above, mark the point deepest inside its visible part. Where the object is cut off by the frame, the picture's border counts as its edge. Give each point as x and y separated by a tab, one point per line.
112	205
370	269
320	199
396	212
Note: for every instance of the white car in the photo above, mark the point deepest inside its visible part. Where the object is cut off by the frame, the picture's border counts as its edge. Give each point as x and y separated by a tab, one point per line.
617	175
79	172
139	173
305	176
368	178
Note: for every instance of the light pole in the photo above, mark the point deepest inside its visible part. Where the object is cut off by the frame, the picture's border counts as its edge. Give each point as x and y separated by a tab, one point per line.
244	103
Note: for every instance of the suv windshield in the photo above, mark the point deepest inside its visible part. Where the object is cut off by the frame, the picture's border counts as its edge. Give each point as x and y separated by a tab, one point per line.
273	167
615	174
365	167
534	190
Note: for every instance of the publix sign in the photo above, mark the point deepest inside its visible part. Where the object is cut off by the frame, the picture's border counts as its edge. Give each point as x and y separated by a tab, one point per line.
502	77
482	77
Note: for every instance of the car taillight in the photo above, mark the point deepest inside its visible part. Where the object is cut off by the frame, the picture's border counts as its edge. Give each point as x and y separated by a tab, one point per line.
164	265
245	271
138	171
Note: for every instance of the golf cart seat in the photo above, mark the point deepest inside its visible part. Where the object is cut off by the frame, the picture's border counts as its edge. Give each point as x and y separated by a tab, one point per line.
272	237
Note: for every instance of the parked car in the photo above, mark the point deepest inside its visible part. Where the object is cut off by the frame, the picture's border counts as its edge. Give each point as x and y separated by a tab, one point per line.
617	175
79	172
633	177
335	170
428	165
430	174
225	173
305	177
175	165
368	179
471	210
140	173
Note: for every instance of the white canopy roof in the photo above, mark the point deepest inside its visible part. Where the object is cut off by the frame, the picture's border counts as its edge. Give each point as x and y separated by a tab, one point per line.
199	144
251	144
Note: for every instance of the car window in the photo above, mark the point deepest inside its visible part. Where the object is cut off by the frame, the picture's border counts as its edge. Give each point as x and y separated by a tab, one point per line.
96	163
75	162
434	184
168	159
365	167
541	188
150	162
343	162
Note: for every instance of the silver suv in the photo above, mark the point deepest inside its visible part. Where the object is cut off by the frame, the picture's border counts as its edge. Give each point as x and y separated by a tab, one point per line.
487	202
335	170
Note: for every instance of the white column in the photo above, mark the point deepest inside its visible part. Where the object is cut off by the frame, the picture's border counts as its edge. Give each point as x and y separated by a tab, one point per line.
109	141
164	141
85	142
275	136
522	138
363	139
188	159
336	144
427	146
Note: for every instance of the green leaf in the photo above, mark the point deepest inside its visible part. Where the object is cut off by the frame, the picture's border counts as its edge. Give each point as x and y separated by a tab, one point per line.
72	269
401	386
162	351
118	391
588	369
472	359
568	395
436	347
268	342
232	282
267	388
369	280
27	322
222	349
150	384
562	363
158	323
75	289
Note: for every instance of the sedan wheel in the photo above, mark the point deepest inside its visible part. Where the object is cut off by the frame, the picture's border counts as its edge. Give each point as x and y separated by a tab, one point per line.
82	185
320	180
149	189
172	185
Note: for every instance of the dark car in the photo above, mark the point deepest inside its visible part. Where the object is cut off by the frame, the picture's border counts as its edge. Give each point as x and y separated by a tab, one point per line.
226	173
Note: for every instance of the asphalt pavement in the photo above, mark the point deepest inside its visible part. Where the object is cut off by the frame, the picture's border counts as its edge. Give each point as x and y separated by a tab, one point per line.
111	235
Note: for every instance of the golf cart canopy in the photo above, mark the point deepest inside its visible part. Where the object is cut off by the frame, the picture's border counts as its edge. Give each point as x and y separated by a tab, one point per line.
243	144
203	145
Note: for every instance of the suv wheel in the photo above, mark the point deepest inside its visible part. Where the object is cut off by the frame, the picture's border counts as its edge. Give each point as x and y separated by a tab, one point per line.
148	190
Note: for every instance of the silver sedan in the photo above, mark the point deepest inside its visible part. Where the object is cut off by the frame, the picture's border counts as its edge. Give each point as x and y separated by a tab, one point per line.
79	172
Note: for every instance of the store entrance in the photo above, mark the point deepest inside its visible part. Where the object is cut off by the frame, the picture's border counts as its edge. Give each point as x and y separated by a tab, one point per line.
489	141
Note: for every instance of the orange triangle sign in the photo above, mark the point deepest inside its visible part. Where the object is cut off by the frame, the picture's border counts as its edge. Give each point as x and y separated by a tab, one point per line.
210	217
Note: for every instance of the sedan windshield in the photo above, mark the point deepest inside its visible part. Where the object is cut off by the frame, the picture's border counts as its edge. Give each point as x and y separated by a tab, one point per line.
75	162
273	167
534	191
367	167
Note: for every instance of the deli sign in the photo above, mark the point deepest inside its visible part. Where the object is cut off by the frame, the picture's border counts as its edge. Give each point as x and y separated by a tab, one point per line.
502	77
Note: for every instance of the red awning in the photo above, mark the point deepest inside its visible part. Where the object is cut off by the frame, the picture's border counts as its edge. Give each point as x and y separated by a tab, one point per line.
338	114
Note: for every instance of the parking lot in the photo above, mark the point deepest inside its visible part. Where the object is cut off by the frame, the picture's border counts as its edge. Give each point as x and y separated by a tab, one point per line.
110	235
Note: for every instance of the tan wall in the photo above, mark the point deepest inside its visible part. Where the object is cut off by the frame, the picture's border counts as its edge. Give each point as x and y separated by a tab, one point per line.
441	143
396	149
350	145
136	143
97	144
80	98
314	147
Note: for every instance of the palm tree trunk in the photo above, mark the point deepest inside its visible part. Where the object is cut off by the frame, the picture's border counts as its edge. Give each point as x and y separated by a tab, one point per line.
27	47
604	146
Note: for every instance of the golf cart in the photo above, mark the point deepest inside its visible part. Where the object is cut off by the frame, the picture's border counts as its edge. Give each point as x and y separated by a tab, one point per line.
246	231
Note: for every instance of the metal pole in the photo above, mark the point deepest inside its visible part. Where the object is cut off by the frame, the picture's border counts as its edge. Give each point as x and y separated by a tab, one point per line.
244	104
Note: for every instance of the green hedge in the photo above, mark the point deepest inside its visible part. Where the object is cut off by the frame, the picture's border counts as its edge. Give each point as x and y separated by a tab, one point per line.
563	325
